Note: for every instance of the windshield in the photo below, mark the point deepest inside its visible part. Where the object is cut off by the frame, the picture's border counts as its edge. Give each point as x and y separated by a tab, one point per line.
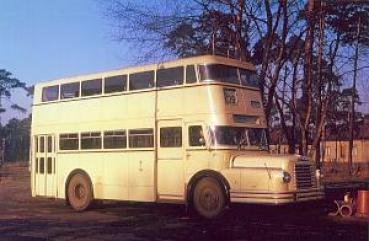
228	74
240	136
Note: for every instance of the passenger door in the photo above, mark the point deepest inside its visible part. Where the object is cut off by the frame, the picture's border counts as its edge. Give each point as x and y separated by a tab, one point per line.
170	175
45	166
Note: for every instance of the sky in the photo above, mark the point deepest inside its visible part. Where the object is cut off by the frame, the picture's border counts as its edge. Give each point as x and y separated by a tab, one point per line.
43	40
47	39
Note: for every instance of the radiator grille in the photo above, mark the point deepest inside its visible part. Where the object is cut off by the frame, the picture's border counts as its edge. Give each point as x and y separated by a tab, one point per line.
304	177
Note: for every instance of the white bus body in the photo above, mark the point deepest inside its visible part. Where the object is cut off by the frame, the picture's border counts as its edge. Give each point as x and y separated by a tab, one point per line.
187	131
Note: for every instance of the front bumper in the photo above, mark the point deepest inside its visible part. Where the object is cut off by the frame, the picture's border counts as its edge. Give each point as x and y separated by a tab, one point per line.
278	197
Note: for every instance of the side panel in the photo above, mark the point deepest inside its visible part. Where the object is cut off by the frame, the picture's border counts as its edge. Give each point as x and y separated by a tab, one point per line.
119	175
141	176
114	182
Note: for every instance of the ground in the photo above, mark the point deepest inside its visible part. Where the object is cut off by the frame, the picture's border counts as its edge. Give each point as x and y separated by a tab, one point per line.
25	218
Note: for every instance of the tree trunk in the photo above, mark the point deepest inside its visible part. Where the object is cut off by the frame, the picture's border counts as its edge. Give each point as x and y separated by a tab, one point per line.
307	87
352	115
319	115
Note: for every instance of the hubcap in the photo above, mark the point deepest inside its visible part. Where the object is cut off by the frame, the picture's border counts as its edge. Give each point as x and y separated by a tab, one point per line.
80	191
209	199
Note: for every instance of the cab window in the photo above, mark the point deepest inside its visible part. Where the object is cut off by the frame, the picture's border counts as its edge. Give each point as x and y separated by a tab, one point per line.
196	136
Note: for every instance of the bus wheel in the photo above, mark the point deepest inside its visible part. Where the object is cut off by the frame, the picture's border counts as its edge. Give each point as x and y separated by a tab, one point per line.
209	198
80	192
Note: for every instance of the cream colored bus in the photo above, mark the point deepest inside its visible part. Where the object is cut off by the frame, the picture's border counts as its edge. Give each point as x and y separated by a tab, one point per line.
189	131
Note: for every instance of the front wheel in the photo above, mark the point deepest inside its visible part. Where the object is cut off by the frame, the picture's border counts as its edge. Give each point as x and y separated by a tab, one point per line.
80	192
209	198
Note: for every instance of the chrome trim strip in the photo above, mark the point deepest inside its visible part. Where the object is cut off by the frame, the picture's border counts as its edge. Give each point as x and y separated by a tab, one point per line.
315	190
273	198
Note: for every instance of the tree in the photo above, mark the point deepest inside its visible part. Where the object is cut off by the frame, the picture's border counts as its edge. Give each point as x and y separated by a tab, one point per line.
17	139
351	20
296	57
7	84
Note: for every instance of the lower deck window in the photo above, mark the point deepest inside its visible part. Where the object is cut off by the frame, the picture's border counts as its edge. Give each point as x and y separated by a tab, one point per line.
68	141
91	140
140	138
115	139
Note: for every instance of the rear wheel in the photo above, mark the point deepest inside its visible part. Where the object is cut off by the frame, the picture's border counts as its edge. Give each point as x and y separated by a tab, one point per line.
80	192
209	197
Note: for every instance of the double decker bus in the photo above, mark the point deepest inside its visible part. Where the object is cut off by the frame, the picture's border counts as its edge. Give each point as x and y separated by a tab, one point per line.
189	131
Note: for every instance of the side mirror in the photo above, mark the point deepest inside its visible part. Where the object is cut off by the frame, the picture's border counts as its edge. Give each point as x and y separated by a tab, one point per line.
202	141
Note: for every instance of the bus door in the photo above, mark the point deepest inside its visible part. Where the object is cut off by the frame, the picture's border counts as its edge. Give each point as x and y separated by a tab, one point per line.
45	178
170	169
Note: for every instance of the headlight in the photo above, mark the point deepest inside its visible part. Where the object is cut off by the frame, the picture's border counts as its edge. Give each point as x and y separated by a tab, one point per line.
318	174
286	177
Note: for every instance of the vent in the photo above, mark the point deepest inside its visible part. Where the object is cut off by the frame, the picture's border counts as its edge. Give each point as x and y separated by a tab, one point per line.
246	119
303	174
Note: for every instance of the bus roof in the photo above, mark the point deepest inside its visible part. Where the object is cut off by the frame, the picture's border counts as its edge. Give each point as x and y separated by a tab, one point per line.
203	59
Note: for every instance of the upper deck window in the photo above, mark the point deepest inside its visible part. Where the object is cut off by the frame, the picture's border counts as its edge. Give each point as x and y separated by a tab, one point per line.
142	80
248	78
50	93
91	87
219	72
70	90
169	77
115	84
228	74
190	74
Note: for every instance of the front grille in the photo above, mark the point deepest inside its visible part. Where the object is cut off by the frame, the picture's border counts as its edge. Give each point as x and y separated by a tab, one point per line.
303	175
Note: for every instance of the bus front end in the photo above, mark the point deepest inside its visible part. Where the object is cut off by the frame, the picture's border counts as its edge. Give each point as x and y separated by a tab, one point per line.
274	179
237	135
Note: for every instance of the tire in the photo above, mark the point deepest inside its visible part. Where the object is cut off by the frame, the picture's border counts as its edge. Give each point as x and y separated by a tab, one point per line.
80	192
209	198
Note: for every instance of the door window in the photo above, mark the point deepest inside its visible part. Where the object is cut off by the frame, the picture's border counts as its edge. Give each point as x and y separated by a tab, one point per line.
49	144
171	137
42	165
49	165
42	144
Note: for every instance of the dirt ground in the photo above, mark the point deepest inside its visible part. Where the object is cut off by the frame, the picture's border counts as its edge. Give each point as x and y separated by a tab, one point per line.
25	218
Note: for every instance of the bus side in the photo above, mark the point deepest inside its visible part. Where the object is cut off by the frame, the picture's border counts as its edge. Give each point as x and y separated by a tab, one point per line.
124	173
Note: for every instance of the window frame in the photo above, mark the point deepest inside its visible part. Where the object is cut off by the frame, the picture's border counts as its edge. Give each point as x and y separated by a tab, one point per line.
152	81
114	135
195	72
138	134
181	81
125	83
68	138
88	135
188	146
47	87
71	83
171	146
248	74
211	80
94	94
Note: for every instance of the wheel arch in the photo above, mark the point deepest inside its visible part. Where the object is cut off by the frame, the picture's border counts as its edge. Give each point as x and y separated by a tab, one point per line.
207	173
71	174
